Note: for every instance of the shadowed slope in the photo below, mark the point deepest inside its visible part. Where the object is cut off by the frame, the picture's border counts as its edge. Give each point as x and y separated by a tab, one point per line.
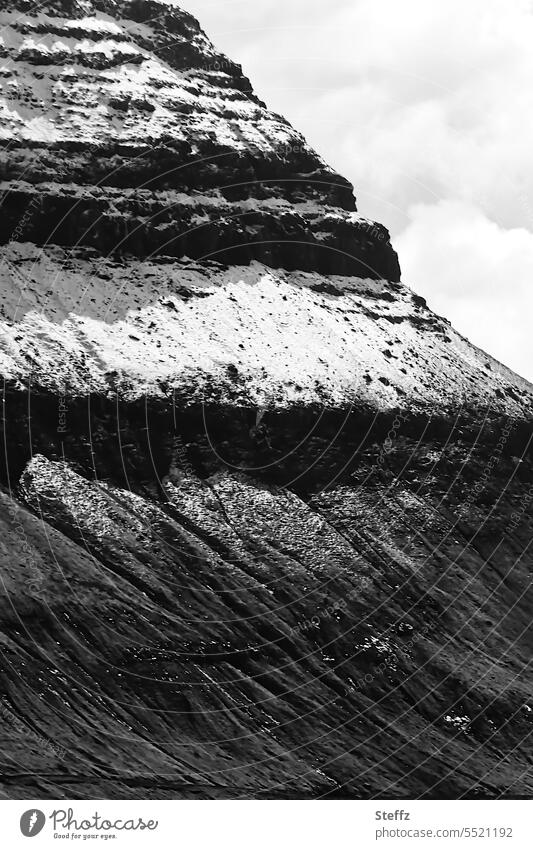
264	518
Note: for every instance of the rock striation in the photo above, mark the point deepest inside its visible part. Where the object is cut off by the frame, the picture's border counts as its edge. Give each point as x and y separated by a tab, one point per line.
265	518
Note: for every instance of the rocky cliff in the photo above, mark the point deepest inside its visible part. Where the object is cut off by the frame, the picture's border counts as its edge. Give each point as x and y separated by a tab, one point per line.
265	526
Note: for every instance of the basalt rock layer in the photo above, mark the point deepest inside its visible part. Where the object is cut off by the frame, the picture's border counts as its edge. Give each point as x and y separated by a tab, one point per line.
265	518
126	131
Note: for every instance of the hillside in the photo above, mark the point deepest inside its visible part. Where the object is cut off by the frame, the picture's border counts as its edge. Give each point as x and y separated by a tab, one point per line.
265	526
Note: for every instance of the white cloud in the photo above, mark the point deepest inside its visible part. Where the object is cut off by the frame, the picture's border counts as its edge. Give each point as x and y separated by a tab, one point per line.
417	103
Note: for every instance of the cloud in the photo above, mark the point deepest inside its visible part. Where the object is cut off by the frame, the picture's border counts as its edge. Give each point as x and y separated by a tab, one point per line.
418	103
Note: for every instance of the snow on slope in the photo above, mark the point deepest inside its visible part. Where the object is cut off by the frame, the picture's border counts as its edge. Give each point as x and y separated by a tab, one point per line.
127	133
133	101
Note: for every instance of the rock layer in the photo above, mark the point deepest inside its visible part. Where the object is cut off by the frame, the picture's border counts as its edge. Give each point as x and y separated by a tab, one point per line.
126	131
265	518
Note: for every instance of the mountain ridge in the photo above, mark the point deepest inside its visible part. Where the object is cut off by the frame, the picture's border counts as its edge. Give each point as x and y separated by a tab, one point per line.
264	528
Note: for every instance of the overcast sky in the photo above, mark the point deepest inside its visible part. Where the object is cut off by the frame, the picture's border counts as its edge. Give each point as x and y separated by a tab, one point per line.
427	107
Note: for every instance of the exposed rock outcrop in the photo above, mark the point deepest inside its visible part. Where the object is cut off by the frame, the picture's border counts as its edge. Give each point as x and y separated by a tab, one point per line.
265	518
126	131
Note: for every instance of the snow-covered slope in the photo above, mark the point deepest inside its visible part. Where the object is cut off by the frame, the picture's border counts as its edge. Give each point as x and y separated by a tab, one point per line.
125	130
245	335
131	147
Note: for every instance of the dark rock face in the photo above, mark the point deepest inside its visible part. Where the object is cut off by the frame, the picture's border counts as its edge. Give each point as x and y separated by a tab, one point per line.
147	224
265	519
155	131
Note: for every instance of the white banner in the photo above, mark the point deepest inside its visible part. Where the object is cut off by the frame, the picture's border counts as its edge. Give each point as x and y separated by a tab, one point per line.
266	825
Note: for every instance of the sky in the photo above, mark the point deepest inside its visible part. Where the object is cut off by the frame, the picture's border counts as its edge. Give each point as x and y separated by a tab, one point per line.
426	107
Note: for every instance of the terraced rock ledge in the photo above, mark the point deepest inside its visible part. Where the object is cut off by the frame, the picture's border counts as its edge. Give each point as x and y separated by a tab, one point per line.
265	525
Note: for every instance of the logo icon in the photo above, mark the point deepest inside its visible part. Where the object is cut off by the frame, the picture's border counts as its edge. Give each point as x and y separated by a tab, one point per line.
32	822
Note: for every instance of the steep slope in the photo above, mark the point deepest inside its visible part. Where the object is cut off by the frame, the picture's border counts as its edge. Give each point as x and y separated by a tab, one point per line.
129	133
265	526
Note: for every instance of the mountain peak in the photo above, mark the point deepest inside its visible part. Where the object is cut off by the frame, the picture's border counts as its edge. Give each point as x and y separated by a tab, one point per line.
129	111
263	513
134	152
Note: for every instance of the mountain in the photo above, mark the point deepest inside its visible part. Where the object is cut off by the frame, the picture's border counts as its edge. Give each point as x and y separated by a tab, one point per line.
265	526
